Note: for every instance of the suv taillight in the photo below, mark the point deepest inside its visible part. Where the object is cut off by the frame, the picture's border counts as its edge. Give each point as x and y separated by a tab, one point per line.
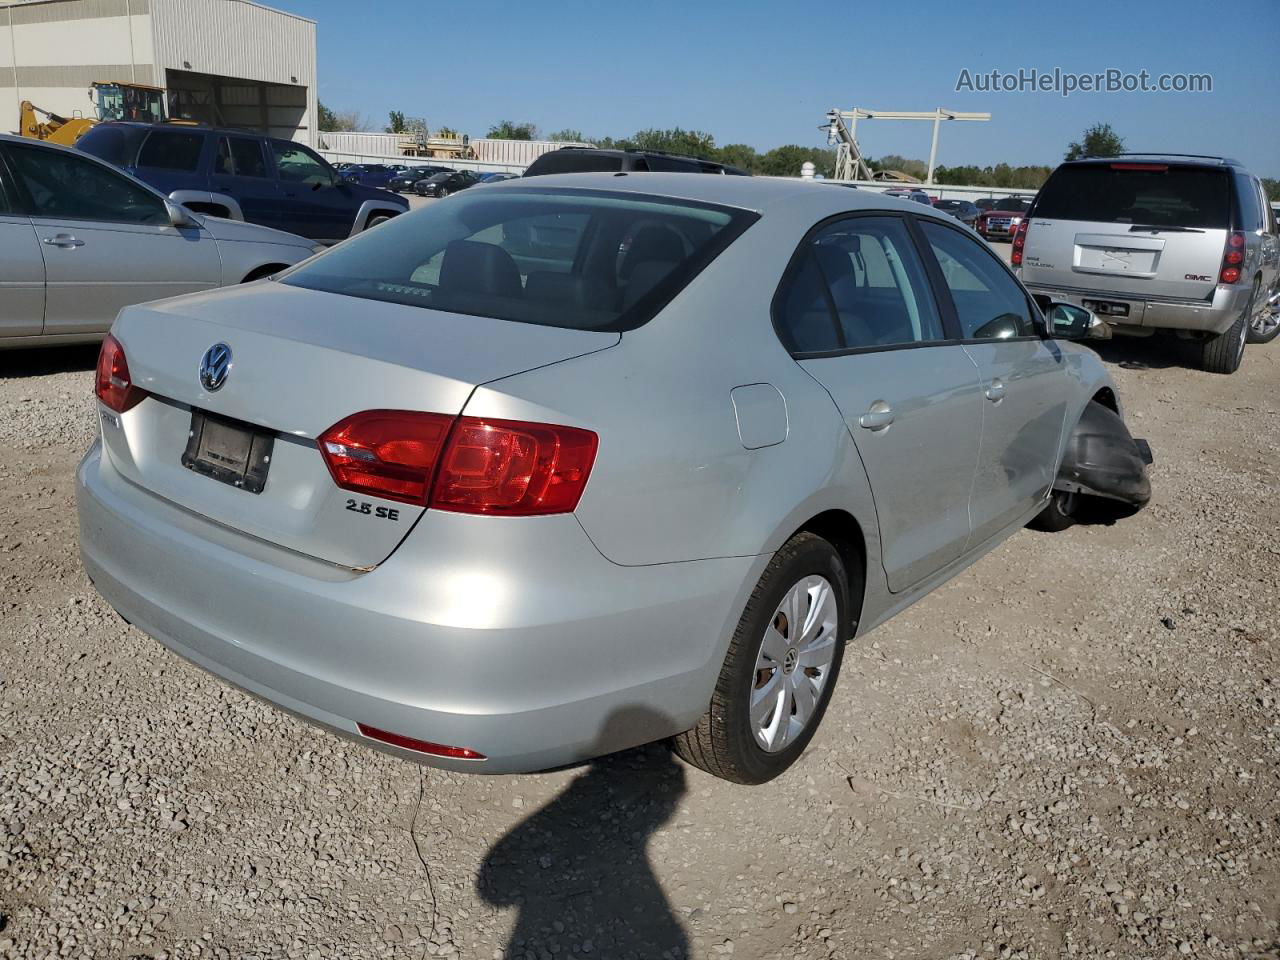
1232	257
486	466
1019	241
112	383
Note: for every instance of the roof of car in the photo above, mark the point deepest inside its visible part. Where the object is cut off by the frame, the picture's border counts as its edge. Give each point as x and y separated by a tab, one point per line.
1188	158
748	193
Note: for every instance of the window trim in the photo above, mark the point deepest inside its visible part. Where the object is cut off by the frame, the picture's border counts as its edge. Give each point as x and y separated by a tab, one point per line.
796	261
1038	325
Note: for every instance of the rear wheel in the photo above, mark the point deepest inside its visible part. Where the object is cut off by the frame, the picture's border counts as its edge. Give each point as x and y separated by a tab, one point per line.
1223	353
1266	323
375	220
781	667
444	192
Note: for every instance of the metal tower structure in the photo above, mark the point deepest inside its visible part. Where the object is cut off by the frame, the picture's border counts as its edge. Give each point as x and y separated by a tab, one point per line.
842	125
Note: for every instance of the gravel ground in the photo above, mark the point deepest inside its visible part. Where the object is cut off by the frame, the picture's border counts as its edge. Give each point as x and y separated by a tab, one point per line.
1071	750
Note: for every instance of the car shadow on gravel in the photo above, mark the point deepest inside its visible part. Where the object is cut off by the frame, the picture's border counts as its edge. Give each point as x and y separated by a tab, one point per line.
1156	353
44	361
578	870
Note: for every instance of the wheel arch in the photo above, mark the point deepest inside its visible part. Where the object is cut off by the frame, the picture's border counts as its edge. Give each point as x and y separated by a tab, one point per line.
843	531
266	270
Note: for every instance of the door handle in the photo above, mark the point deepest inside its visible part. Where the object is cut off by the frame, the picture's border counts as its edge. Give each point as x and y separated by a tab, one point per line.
995	390
64	240
878	417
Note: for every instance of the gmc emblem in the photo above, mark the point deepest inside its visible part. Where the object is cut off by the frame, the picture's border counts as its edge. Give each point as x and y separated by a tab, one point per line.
1195	276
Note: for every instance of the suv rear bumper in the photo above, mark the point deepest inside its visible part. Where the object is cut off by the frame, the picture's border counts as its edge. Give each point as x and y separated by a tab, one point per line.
1154	313
512	637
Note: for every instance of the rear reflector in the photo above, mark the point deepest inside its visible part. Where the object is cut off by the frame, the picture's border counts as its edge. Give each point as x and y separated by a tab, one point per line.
386	453
419	746
112	383
513	468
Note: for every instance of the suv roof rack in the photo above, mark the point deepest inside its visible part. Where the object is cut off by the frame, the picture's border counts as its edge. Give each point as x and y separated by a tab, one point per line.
1162	153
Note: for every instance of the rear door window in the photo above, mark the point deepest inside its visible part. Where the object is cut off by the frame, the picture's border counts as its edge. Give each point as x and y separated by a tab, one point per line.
865	275
115	143
241	157
171	150
585	260
1151	194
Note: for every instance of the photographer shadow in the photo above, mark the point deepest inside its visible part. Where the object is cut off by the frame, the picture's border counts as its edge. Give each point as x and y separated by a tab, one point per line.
578	869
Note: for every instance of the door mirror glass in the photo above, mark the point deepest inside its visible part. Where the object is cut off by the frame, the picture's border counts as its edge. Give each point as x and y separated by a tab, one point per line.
179	215
1069	322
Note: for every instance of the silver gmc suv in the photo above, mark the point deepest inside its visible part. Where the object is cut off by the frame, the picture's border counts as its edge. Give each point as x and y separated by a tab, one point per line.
1158	243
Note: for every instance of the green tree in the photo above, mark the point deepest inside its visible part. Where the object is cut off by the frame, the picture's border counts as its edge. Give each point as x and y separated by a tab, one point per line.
688	143
1272	187
397	124
328	119
786	161
1098	141
892	161
740	155
510	130
567	136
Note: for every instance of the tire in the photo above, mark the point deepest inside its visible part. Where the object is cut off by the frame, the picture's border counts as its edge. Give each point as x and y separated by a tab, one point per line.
444	192
1057	514
726	743
1223	353
376	220
1266	325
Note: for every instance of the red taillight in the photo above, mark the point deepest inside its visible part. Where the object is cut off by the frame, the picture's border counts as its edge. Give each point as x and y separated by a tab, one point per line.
419	746
113	385
1019	241
513	468
386	453
503	467
1149	167
1232	257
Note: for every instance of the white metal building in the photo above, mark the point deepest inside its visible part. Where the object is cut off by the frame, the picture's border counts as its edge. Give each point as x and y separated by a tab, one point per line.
226	62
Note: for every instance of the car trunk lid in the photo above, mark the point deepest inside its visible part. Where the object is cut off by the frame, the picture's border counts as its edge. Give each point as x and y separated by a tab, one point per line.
301	361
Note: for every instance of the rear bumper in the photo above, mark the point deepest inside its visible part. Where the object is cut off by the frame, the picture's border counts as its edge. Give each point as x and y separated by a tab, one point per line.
1151	313
514	638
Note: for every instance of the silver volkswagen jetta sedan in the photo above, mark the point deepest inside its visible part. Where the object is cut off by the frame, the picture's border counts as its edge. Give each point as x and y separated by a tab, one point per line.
554	469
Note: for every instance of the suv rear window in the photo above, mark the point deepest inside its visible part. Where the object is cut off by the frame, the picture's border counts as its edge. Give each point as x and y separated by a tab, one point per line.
571	161
579	259
1152	194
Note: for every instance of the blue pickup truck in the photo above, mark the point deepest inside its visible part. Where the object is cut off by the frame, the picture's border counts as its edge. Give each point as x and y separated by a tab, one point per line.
244	176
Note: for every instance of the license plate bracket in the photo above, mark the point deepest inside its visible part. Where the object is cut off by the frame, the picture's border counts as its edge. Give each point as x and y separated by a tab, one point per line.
229	451
1107	308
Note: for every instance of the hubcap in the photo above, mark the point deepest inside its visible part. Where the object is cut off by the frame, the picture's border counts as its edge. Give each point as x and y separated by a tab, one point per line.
1267	319
793	663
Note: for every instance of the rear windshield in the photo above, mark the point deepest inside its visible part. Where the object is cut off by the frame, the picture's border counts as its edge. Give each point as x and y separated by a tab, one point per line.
1013	204
577	259
571	161
1150	194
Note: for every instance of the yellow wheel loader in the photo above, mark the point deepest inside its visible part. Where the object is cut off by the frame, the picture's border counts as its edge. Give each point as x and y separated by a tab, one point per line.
112	101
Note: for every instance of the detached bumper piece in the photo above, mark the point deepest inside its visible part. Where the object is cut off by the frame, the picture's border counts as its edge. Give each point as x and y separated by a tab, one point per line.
1104	462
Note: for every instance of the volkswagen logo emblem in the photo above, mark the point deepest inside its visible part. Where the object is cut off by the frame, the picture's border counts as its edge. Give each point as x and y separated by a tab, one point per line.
214	367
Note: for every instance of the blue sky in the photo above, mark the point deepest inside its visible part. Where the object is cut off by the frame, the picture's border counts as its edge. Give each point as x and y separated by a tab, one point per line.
766	73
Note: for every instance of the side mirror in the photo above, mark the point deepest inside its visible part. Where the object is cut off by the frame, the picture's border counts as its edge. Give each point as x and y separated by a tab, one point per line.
1069	322
179	216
